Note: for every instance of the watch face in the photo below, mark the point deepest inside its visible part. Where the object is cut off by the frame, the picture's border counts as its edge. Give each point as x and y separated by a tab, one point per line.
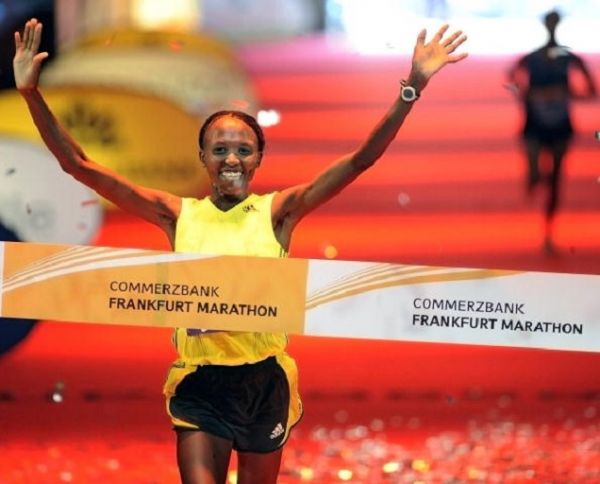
408	93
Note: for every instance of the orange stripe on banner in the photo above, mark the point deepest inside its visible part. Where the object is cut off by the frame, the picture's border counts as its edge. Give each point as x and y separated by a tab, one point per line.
341	292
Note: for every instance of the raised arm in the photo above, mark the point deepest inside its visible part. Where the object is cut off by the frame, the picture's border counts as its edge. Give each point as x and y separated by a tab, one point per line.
155	206
428	58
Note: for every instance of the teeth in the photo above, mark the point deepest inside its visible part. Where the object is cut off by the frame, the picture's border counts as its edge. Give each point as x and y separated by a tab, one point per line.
231	175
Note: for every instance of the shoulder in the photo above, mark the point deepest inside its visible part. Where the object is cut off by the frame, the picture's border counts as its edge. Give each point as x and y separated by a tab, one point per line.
287	202
264	200
285	197
533	54
574	57
191	203
262	196
525	60
194	201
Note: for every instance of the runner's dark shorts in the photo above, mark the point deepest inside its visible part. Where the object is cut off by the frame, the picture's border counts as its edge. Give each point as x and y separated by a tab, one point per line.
249	404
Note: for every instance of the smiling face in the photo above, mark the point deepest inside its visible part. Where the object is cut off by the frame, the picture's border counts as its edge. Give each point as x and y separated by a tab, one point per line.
231	155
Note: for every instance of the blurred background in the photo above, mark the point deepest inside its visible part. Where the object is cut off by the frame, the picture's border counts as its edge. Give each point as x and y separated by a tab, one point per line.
132	80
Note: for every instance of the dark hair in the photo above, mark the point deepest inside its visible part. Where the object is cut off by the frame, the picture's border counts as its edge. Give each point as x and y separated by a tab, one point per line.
242	116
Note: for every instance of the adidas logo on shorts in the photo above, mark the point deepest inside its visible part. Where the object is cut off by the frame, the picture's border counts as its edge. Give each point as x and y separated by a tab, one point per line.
277	431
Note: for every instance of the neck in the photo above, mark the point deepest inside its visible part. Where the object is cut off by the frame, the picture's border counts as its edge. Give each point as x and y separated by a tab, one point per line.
551	40
226	202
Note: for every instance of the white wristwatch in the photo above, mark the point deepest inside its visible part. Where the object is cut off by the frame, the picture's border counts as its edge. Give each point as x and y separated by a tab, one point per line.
408	93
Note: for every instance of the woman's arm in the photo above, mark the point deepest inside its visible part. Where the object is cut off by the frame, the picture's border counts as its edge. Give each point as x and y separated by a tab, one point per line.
518	79
155	206
590	89
290	205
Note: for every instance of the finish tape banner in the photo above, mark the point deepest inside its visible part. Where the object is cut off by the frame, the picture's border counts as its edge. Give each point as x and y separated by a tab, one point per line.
300	296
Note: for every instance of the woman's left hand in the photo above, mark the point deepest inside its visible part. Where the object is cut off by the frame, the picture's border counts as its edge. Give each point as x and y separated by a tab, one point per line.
428	58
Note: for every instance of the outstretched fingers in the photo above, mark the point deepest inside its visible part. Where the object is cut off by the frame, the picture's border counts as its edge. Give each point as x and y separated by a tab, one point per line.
37	37
455	58
456	43
421	37
40	57
25	36
28	35
28	38
440	33
451	38
18	41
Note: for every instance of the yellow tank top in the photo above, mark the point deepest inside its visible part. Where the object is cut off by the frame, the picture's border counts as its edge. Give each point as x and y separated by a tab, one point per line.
245	229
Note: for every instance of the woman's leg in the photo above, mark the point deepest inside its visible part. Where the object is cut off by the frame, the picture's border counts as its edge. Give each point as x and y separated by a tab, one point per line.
202	458
532	152
256	468
559	149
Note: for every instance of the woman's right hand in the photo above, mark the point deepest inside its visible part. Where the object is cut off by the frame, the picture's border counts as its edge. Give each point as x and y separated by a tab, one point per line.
27	62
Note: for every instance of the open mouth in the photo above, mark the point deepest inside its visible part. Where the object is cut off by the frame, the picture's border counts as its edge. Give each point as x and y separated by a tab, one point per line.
231	175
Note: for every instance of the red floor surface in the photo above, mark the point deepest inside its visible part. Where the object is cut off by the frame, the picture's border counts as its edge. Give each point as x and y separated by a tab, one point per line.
449	192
